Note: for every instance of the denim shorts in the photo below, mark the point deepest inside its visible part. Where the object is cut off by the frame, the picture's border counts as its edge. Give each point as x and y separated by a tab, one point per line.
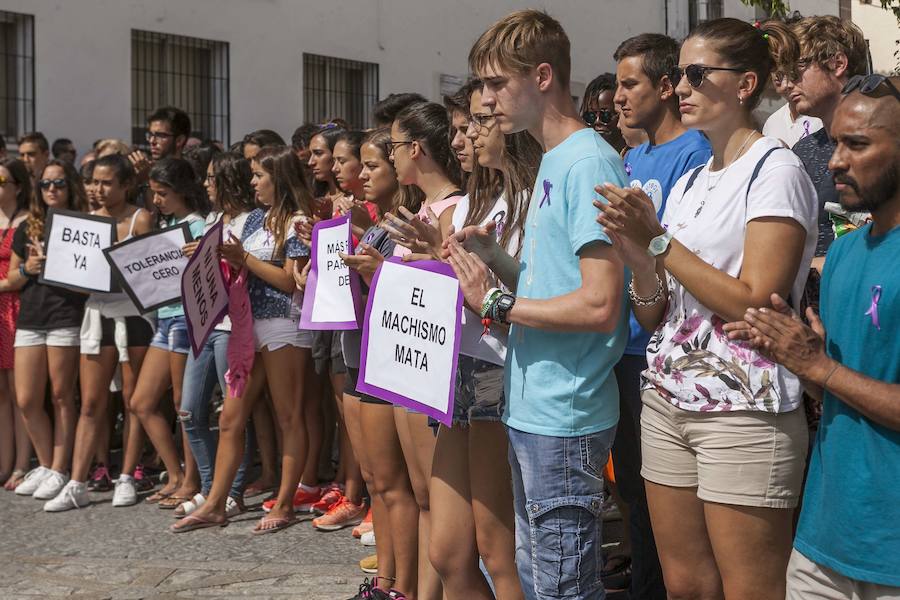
172	335
479	391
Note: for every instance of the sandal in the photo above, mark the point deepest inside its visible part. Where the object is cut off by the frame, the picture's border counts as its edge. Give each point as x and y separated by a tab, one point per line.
15	478
273	524
186	508
158	497
172	502
192	522
615	565
257	489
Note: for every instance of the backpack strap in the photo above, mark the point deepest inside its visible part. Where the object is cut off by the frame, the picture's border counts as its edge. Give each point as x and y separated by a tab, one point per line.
758	168
692	178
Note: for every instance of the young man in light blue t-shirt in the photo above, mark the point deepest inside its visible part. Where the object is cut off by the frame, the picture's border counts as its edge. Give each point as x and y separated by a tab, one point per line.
568	313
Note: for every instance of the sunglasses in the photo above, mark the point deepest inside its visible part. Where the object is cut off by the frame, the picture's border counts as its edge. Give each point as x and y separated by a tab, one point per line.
604	115
46	183
697	73
868	84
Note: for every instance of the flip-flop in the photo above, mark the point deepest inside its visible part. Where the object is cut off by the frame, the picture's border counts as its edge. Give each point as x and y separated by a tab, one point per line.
254	490
277	524
158	497
173	502
192	522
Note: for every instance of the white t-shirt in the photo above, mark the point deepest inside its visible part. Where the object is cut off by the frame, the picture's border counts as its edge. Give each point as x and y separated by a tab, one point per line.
691	362
780	125
492	346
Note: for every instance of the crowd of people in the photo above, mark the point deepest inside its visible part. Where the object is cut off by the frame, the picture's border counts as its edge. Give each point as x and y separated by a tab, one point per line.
663	301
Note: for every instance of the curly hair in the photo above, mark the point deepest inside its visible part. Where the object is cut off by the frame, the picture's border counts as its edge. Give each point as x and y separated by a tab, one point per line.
825	36
232	175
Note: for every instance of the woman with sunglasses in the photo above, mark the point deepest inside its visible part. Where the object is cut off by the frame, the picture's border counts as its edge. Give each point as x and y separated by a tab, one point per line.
599	111
723	439
15	196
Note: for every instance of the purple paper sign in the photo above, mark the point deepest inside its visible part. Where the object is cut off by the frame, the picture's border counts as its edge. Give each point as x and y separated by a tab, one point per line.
411	335
332	300
204	292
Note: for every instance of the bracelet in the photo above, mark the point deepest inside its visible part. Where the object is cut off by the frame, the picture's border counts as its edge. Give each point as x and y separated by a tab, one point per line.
23	272
501	307
489	298
648	300
827	377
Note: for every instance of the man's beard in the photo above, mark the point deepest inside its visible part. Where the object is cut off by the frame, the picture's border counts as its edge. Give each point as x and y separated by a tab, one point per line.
871	198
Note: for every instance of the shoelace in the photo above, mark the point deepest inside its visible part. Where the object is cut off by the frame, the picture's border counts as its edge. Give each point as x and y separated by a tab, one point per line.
30	475
70	495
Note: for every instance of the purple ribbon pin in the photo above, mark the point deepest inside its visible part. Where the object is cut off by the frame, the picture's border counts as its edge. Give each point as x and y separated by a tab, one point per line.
628	169
873	309
805	128
547	187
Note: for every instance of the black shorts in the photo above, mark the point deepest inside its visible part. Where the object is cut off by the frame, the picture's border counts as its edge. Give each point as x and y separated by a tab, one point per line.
350	388
327	353
138	331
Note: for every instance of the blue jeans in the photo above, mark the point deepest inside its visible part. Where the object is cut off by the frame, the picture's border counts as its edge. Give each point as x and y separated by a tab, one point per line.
558	495
200	376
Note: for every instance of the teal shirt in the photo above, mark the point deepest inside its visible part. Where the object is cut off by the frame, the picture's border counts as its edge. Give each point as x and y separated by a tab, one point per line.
562	384
852	497
196	226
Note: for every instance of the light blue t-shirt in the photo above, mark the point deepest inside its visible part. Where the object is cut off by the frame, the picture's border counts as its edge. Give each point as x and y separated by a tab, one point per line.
562	384
852	497
655	169
196	224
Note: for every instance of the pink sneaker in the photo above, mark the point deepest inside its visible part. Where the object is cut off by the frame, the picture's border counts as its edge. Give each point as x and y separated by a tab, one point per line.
142	483
364	527
343	514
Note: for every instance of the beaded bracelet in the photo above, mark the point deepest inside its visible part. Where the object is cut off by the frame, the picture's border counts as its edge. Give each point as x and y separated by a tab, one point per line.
648	300
489	298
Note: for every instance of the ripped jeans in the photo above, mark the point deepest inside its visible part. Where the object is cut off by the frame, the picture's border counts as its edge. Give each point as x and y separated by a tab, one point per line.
200	376
558	495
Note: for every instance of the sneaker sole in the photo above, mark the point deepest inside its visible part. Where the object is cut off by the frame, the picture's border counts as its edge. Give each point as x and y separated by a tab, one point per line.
337	527
46	496
372	545
123	504
369	571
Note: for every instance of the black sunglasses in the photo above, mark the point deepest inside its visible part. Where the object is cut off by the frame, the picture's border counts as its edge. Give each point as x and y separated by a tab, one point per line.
604	115
59	183
867	84
697	73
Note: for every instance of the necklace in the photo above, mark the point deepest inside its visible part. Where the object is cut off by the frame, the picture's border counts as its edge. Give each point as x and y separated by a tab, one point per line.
721	176
435	198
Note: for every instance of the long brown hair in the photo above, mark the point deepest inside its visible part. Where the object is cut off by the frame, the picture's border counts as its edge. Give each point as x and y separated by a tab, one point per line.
407	196
77	198
292	194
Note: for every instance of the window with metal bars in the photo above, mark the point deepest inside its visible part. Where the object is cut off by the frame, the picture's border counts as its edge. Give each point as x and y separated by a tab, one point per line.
185	72
16	74
339	88
700	11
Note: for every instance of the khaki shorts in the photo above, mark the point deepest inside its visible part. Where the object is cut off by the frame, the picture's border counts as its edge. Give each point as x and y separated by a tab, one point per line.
806	579
746	458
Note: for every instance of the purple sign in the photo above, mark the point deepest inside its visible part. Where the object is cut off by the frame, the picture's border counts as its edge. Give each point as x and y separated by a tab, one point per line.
332	299
204	292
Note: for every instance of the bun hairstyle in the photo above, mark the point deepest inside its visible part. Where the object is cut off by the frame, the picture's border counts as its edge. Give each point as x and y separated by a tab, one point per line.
178	175
292	195
407	196
747	47
428	124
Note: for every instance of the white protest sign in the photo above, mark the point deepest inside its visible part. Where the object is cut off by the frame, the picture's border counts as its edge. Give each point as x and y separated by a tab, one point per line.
332	298
204	292
411	337
149	266
73	245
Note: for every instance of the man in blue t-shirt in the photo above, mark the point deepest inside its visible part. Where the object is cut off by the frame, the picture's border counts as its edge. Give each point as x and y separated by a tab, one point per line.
848	538
568	313
646	98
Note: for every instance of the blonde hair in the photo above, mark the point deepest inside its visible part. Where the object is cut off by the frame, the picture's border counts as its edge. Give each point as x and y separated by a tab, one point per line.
825	36
111	146
521	41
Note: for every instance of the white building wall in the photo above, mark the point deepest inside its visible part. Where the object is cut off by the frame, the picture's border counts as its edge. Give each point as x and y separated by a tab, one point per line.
881	30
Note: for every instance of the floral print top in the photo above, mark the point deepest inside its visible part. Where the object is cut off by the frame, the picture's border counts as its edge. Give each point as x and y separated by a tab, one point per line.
691	361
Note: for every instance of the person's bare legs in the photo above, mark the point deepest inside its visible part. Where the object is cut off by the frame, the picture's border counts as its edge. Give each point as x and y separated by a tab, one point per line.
96	371
153	381
390	483
418	441
266	440
62	363
686	554
492	506
353	480
7	423
311	420
133	442
452	548
31	383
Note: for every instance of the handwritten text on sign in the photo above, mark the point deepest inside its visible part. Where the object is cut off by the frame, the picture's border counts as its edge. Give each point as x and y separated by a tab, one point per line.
203	289
74	245
411	337
332	297
150	266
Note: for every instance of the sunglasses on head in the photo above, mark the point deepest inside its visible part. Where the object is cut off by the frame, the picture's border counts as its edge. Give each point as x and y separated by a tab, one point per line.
46	183
868	84
604	115
697	73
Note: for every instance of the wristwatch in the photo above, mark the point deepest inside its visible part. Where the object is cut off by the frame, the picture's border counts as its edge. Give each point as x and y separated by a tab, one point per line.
502	307
659	244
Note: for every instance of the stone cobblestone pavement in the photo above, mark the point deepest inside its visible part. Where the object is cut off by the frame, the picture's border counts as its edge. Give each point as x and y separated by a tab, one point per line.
105	553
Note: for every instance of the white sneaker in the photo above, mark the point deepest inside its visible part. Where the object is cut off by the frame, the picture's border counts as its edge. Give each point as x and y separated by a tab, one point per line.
73	495
125	494
52	485
32	481
232	507
367	539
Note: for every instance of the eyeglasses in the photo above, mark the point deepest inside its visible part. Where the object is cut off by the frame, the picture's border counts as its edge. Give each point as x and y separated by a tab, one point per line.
392	144
160	135
697	73
59	183
868	84
482	122
604	115
781	77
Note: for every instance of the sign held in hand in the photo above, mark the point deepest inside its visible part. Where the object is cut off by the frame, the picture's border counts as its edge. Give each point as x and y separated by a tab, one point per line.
73	245
204	292
332	298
